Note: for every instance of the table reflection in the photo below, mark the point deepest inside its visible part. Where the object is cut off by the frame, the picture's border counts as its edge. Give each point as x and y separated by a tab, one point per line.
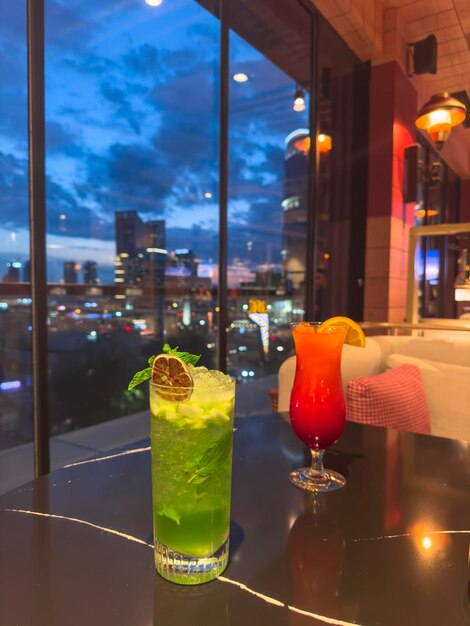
316	552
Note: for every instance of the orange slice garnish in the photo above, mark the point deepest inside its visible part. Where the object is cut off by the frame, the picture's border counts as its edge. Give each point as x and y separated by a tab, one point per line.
172	377
355	335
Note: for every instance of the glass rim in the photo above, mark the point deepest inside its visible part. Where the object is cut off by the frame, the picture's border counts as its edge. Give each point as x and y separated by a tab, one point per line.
302	323
177	390
316	325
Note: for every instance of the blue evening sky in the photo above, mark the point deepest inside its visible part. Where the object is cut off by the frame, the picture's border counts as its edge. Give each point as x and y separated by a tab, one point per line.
132	123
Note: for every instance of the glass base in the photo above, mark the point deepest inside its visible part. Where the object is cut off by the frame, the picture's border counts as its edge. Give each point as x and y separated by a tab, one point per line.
189	570
327	480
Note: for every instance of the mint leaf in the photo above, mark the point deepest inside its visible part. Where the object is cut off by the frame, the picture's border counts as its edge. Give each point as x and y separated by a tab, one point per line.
139	378
211	460
187	357
151	359
171	513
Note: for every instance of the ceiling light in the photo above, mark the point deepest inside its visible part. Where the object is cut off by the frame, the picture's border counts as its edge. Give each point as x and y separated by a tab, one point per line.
299	100
439	115
208	195
240	77
154	3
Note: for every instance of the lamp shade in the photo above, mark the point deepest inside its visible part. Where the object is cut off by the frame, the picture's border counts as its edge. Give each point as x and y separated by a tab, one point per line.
439	115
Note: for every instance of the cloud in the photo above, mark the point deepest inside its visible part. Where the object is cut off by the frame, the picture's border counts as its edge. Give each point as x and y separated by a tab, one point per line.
63	139
66	28
13	190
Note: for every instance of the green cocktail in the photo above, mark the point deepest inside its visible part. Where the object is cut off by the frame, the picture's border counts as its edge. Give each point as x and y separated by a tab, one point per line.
191	437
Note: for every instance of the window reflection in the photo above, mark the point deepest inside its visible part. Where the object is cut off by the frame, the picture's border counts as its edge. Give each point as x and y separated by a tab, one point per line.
268	193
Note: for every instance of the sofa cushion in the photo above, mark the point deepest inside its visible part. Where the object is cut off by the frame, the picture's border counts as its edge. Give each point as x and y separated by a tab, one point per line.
446	387
394	399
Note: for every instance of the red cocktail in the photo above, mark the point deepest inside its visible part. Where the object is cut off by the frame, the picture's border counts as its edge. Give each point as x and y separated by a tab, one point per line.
317	408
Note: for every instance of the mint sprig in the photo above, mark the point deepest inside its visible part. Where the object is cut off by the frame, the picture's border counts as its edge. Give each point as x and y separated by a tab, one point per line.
187	357
139	377
143	375
211	460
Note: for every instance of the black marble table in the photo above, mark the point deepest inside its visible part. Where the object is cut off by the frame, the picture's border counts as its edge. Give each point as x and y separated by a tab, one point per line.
390	549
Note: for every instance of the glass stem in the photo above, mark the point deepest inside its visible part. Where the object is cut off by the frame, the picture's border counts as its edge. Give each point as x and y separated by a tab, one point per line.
317	462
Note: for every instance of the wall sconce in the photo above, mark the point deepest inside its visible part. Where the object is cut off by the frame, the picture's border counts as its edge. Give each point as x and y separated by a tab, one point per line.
421	213
325	143
299	99
439	115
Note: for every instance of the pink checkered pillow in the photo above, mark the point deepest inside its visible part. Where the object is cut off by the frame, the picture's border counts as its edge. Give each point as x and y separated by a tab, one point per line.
395	399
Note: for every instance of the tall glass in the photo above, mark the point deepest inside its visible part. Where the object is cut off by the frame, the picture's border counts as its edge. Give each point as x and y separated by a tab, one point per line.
317	407
191	441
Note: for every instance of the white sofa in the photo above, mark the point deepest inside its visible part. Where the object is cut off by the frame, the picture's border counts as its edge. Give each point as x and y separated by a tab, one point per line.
445	368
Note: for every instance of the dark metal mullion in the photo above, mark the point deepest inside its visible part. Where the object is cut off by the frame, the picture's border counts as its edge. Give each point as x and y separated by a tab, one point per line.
37	226
311	247
223	186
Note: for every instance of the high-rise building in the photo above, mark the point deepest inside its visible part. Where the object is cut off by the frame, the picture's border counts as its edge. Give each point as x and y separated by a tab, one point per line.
131	242
90	273
156	234
295	207
140	250
70	272
131	233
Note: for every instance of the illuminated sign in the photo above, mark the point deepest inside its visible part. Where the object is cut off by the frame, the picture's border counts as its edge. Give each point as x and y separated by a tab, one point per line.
262	320
257	306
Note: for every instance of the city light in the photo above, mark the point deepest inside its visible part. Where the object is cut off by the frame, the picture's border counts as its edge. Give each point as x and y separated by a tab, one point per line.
157	250
10	385
3	306
118	314
240	77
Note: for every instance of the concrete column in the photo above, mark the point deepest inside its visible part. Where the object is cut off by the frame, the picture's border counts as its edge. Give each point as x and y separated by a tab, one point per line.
393	104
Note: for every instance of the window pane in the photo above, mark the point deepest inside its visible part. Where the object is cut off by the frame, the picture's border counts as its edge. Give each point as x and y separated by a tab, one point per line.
268	187
16	459
343	93
132	180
